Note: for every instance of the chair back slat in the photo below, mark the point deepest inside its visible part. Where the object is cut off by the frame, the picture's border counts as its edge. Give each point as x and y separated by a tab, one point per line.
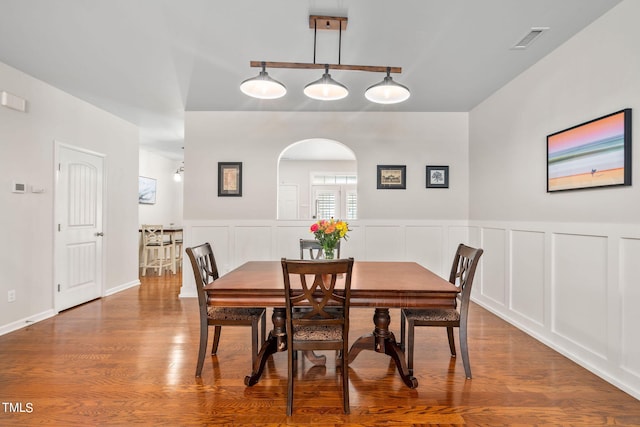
204	267
463	270
317	286
153	234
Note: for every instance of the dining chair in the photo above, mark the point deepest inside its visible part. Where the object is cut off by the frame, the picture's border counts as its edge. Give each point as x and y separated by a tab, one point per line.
317	285
314	249
205	272
463	269
157	249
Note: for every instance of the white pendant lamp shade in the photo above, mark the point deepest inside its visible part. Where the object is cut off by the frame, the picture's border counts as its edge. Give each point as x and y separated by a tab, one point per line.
387	92
325	88
263	87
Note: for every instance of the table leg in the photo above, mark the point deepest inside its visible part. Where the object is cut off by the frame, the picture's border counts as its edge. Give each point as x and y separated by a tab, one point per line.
382	340
276	342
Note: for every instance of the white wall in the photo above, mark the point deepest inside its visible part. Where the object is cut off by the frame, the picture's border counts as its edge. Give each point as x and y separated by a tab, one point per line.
561	265
27	144
258	138
168	207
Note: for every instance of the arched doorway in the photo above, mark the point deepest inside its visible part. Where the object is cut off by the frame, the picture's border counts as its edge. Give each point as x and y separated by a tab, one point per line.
317	178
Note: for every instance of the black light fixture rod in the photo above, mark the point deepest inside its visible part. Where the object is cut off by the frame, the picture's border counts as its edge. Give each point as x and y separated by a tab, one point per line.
315	38
340	42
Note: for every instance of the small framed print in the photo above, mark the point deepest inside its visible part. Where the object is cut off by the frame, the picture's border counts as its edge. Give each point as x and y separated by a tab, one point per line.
392	177
437	176
229	179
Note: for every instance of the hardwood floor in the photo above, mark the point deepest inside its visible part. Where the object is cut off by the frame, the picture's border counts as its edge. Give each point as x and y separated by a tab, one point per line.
130	359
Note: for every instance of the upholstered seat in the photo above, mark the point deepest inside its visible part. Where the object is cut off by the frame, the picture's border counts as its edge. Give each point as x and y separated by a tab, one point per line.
434	314
227	313
317	333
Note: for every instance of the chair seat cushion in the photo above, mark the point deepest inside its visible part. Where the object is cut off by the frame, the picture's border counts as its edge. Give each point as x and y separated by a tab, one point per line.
233	313
317	333
433	314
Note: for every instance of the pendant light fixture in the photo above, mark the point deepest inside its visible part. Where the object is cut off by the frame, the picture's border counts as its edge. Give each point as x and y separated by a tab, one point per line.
263	87
387	91
325	88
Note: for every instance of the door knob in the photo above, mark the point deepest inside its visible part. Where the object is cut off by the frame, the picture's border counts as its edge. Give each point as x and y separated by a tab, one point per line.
100	234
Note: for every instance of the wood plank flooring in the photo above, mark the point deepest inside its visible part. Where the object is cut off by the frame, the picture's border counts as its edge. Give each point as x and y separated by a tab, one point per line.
129	359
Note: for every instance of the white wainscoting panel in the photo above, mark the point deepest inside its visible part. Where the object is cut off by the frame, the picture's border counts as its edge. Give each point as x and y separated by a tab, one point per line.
424	246
219	238
253	243
630	313
384	243
288	241
573	286
494	265
528	275
579	290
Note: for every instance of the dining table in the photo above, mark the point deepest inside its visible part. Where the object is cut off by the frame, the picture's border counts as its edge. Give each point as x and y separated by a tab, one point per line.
380	285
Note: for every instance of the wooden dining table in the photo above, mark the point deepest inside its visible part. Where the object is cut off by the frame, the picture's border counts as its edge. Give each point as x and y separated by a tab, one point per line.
379	285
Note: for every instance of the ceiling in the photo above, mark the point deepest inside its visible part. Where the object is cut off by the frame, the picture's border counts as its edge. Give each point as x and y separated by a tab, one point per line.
148	61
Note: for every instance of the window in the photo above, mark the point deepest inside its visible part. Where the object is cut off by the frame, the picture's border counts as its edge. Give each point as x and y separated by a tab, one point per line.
326	204
334	196
352	205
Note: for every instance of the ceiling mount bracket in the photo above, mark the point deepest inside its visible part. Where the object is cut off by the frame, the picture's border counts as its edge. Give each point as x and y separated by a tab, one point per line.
321	22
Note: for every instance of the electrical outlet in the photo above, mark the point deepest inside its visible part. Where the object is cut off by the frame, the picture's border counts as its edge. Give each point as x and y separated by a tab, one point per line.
11	295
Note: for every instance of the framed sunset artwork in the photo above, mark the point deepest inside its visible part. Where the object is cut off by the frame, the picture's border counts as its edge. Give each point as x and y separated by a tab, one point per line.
592	154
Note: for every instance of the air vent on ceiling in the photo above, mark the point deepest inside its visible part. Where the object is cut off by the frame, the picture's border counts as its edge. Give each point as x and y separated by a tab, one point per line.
533	35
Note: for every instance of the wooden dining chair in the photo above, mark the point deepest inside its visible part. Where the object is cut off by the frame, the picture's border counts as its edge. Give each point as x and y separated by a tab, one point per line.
205	271
463	269
314	249
318	285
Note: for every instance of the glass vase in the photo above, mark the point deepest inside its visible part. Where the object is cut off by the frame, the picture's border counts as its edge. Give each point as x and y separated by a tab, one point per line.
328	252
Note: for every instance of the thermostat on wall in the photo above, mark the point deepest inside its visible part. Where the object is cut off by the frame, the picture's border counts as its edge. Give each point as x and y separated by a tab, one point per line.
18	187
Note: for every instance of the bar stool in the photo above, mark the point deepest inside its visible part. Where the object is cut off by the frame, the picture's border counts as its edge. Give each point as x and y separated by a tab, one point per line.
157	252
176	238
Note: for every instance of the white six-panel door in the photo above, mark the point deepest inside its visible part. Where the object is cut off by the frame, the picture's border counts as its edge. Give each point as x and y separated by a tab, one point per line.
78	226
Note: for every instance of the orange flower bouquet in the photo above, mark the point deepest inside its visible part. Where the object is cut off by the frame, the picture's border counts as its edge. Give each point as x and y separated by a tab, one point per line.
329	233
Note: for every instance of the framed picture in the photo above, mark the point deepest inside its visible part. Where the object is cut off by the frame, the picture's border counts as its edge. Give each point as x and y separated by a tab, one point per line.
593	154
146	190
392	177
230	179
437	176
